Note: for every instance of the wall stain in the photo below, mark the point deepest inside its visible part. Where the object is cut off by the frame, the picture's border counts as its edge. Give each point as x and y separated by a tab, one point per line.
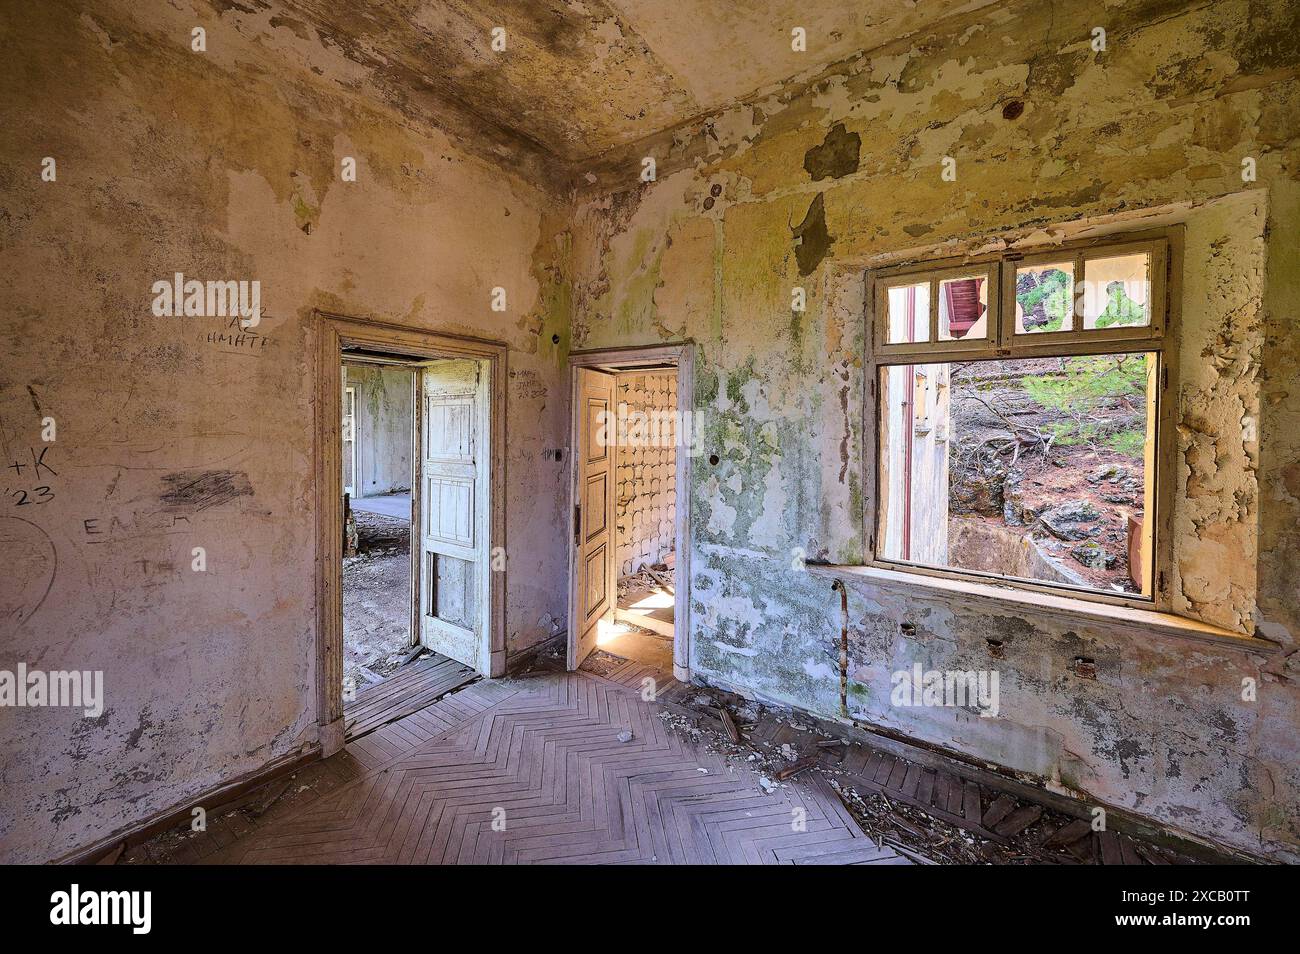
812	241
837	155
193	490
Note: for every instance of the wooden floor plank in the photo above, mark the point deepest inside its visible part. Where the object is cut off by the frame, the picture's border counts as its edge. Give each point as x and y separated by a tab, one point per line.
411	689
1002	806
1018	820
546	760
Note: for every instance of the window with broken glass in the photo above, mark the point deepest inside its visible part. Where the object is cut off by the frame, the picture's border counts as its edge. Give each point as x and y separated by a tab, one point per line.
1020	421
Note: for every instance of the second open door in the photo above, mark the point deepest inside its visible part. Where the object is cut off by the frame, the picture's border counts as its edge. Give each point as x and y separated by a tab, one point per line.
593	513
454	505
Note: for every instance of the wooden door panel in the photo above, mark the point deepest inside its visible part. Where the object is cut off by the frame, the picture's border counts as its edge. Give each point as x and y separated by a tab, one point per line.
597	590
449	509
593	505
349	435
453	509
448	429
594	585
597	405
455	591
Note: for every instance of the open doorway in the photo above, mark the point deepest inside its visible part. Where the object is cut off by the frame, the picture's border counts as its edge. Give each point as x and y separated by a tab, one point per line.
378	431
447	396
416	458
632	443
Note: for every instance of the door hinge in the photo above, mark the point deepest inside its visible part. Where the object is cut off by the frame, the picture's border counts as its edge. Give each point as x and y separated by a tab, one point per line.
577	523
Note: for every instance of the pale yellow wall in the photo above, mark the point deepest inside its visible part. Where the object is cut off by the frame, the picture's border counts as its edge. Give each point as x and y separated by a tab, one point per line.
224	165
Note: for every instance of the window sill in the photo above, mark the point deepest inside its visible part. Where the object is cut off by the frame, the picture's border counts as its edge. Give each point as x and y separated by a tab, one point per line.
1067	608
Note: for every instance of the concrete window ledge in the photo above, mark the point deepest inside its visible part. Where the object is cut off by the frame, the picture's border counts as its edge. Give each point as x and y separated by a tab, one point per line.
1036	603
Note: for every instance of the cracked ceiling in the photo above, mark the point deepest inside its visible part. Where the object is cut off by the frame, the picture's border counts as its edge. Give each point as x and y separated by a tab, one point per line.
587	76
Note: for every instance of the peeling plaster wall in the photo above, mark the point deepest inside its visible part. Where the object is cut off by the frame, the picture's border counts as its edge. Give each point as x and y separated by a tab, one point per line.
384	425
712	250
174	434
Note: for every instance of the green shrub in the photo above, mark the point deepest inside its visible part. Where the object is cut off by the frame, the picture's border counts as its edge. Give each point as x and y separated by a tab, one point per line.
1086	387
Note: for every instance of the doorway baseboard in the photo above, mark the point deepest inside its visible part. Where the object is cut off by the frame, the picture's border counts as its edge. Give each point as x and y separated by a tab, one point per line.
526	657
332	737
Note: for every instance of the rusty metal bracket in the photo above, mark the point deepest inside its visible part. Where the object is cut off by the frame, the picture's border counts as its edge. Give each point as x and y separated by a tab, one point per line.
844	646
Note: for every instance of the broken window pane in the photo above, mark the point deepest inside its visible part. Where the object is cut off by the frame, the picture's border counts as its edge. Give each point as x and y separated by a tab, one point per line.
964	308
909	314
1117	291
1031	469
1044	297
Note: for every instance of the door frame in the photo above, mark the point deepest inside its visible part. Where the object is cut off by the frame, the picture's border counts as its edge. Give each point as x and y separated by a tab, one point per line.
335	334
356	458
621	360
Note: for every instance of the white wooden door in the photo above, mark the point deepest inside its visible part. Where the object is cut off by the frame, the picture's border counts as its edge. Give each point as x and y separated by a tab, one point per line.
454	508
595	587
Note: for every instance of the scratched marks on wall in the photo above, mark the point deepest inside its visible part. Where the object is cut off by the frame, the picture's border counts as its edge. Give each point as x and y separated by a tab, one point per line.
30	485
234	338
29	560
192	491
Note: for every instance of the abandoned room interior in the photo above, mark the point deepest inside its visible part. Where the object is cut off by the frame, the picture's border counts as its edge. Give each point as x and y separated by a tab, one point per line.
615	431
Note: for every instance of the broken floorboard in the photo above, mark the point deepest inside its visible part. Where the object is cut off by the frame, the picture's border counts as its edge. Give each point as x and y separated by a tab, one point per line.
410	689
1024	830
1004	823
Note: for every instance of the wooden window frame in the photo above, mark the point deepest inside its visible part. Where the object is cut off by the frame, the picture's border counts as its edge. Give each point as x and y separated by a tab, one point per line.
1160	337
892	278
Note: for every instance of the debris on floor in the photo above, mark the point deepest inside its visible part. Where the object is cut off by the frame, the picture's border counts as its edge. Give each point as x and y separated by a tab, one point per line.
601	663
656	579
377	599
896	801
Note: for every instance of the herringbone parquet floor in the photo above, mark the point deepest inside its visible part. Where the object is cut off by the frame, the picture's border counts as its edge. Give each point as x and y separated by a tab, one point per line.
532	771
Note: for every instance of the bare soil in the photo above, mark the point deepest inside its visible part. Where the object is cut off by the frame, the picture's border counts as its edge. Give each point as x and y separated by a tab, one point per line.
1063	479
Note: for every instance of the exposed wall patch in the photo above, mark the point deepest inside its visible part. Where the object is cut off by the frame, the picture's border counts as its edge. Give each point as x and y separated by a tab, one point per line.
812	241
836	156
